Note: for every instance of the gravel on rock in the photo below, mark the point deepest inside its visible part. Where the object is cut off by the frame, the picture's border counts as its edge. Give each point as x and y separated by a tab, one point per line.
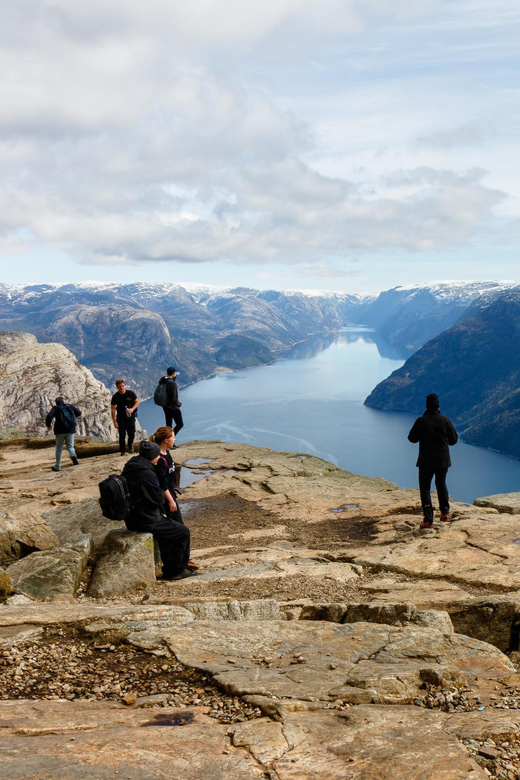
65	665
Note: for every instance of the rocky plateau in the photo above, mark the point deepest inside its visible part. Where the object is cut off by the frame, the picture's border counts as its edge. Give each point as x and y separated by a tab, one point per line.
325	636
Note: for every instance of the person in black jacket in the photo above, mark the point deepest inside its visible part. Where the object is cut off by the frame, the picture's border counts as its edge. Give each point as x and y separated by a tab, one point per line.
64	416
147	515
435	434
172	408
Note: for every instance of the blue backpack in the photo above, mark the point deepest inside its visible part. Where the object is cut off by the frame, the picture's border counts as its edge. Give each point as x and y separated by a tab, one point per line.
160	396
67	416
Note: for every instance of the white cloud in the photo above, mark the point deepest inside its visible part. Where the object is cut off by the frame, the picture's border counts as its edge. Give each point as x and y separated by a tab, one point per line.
124	138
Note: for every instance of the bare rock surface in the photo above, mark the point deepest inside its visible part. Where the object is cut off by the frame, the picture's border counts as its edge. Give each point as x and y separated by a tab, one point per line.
67	741
323	661
319	613
34	374
125	564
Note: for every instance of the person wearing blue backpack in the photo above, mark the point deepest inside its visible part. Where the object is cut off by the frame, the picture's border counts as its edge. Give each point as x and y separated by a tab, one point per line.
64	416
167	395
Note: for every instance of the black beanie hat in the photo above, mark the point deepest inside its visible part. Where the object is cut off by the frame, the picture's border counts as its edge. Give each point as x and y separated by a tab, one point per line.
149	450
432	402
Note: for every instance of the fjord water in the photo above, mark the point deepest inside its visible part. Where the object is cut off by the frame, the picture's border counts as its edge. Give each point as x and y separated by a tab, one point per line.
311	401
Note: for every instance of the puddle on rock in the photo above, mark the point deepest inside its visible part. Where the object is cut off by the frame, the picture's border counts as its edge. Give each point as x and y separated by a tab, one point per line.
178	719
197	461
343	507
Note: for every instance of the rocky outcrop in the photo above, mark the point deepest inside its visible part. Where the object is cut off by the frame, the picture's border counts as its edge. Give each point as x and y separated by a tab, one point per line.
32	375
48	574
125	564
23	533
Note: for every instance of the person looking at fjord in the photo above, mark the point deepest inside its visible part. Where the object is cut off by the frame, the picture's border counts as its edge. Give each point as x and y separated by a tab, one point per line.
435	434
171	405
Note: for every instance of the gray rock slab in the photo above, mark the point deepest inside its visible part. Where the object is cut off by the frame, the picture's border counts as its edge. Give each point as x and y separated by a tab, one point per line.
126	564
48	574
503	502
83	517
97	619
87	740
325	661
22	533
368	742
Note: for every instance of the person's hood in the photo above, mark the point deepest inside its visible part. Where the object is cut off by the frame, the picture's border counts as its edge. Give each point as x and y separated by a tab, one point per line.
137	465
164	379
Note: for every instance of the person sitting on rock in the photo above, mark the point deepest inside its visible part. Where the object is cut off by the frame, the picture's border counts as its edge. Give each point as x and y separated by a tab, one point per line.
64	416
123	406
147	513
435	434
167	476
165	469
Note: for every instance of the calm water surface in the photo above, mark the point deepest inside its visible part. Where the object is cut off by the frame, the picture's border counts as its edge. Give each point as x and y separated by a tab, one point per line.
311	401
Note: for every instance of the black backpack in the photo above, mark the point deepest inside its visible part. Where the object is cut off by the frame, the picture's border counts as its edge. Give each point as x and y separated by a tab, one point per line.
68	418
114	498
160	396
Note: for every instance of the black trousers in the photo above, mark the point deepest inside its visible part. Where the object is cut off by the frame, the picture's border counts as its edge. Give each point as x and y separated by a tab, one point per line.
174	544
173	540
126	428
425	480
171	415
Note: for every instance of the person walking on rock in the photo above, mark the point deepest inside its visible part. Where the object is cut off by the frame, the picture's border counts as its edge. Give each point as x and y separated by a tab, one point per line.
435	434
64	416
172	407
123	406
146	515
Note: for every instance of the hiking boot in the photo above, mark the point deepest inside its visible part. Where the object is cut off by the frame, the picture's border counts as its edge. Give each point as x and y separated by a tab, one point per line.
445	518
182	576
122	453
426	524
192	566
55	468
75	462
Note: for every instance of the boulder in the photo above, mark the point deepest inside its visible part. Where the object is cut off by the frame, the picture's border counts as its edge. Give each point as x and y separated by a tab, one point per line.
82	517
22	534
48	574
125	564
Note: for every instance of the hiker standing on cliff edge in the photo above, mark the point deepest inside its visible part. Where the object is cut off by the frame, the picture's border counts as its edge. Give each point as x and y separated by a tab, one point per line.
435	434
171	403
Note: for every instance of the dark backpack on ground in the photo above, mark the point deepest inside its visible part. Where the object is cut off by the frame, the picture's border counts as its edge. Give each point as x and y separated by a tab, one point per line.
160	396
68	418
114	498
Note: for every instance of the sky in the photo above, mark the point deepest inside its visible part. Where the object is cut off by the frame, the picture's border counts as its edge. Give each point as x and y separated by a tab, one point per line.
293	144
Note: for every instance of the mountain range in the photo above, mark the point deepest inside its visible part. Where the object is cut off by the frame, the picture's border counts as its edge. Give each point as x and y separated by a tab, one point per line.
459	337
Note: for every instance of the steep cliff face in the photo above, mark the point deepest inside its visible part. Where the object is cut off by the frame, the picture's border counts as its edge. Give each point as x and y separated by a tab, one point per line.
410	316
474	369
32	375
